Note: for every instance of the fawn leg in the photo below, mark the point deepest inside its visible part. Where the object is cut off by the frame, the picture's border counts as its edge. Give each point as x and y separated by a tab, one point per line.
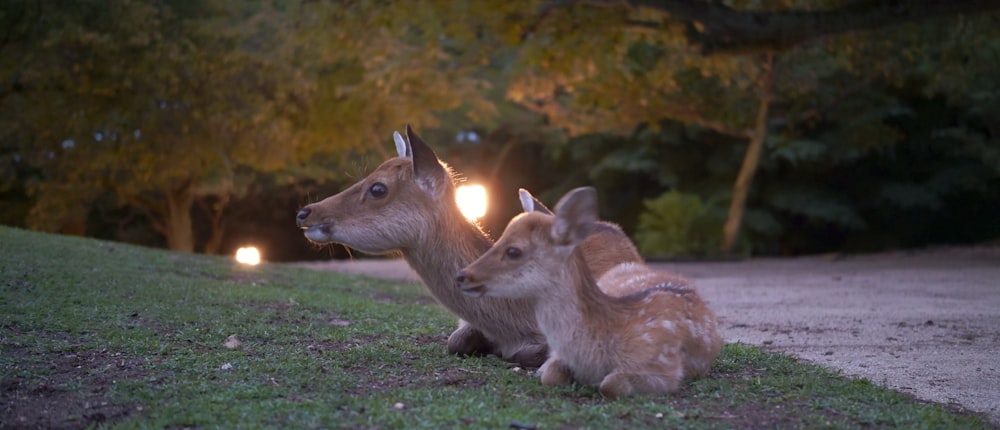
618	384
467	340
555	372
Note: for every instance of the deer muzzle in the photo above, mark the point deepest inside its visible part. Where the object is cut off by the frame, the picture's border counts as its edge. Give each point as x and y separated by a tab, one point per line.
467	282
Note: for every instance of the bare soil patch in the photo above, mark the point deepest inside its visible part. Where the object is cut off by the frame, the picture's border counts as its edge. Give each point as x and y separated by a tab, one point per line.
68	390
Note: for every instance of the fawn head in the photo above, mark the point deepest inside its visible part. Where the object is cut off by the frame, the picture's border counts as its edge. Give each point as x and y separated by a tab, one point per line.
390	208
533	250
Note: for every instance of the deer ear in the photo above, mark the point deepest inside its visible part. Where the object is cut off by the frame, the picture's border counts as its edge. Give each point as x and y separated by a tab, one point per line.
428	171
531	204
574	212
402	146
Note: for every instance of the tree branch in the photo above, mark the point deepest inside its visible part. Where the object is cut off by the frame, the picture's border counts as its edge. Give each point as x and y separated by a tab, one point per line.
718	29
695	118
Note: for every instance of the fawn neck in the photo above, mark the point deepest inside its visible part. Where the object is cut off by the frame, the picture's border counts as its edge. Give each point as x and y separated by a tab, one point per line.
578	304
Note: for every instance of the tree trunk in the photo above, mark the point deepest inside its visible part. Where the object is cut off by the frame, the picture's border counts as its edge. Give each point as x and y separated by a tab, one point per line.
215	210
214	244
177	226
731	230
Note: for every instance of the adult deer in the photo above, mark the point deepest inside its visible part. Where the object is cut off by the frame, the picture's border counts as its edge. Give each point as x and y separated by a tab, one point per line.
648	341
407	205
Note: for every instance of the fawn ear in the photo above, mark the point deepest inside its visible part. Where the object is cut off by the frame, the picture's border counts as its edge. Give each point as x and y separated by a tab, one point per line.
574	212
430	175
530	204
402	146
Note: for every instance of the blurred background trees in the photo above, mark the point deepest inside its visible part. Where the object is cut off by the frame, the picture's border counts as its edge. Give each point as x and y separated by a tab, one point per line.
709	128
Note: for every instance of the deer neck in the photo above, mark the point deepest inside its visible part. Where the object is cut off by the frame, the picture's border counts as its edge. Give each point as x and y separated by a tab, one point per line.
443	251
447	244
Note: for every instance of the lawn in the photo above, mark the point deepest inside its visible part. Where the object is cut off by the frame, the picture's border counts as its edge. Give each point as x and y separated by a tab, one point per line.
98	333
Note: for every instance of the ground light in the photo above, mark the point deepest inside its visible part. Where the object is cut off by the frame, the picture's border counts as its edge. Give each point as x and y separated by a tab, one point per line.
248	255
471	199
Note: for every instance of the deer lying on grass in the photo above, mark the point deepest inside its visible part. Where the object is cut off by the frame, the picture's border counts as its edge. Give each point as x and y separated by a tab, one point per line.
642	343
408	205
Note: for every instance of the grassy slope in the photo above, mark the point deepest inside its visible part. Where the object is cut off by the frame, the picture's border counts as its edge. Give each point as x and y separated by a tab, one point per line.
104	333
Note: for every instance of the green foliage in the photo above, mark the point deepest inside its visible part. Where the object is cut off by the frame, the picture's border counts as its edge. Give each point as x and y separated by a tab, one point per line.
609	79
852	143
815	206
165	103
376	67
677	224
144	110
177	103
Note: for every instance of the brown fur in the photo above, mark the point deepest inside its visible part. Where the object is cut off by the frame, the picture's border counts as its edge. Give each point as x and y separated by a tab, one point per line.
647	341
419	218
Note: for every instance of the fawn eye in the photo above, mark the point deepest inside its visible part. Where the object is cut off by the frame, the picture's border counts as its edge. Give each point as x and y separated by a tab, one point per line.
513	253
378	190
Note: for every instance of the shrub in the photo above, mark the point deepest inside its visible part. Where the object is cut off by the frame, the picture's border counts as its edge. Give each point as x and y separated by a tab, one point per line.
676	224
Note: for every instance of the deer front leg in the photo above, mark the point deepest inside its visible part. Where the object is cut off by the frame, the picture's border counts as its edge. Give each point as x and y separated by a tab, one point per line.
618	384
531	356
467	340
555	372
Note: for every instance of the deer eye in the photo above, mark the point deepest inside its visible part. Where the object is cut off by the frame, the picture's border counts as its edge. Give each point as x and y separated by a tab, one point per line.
513	253
378	190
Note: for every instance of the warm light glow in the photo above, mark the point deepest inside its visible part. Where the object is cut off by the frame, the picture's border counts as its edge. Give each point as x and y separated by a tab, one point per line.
471	200
248	255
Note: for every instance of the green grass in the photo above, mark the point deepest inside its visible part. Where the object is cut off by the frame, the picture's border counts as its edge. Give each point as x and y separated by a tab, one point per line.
105	334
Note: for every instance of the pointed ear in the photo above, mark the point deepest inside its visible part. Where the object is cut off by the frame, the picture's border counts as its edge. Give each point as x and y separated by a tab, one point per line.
574	212
402	146
530	204
430	175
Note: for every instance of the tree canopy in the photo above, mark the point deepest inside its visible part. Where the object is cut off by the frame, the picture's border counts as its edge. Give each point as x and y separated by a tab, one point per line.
164	111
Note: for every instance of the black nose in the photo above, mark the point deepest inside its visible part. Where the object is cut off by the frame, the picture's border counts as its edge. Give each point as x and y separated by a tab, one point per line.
302	215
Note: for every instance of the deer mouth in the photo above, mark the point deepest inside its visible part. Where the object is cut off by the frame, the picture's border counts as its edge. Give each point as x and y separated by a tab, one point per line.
321	233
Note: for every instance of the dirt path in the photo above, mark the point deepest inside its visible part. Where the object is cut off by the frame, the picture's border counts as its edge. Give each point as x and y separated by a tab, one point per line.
925	323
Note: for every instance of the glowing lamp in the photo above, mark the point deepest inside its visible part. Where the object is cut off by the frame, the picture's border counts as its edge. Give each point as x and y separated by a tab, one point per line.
248	255
471	200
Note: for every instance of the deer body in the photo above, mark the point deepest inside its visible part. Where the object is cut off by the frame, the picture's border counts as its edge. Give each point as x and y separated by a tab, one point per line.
407	205
648	339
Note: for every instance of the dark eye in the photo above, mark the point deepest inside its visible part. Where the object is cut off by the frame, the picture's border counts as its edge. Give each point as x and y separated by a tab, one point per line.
378	190
513	253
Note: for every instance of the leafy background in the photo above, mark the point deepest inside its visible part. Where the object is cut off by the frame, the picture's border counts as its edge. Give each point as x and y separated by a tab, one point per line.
201	126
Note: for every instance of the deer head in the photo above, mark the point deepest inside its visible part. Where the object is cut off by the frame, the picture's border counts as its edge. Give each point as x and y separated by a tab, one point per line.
390	208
